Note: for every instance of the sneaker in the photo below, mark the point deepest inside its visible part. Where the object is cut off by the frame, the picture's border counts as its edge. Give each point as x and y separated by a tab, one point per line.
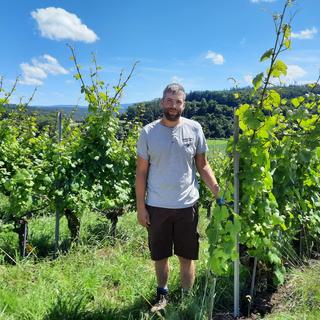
161	303
184	294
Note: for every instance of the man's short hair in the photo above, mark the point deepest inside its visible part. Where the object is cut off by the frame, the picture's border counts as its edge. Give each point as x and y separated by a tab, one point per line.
173	88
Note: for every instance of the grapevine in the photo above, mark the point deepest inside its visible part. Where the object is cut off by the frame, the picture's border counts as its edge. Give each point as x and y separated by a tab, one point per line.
279	171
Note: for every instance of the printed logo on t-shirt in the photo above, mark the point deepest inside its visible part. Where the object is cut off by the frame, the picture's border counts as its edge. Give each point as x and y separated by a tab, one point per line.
187	141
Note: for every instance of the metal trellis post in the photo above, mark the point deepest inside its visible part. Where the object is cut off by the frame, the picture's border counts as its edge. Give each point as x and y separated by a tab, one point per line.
57	227
236	311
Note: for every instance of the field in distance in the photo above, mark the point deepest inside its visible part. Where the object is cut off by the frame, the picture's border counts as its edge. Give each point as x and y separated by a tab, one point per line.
217	145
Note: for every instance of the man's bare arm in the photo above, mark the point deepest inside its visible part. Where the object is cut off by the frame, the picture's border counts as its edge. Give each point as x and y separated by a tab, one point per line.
141	183
207	174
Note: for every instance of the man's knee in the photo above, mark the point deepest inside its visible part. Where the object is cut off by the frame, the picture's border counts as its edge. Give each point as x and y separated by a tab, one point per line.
185	262
163	263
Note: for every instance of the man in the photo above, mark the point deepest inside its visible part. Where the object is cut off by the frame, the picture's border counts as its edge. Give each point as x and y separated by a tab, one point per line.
169	152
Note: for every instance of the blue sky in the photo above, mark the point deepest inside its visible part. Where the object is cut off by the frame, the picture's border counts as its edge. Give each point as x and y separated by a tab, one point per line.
197	43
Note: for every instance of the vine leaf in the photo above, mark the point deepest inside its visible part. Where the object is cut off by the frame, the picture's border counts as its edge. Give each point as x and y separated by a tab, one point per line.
257	81
279	68
267	55
273	100
286	29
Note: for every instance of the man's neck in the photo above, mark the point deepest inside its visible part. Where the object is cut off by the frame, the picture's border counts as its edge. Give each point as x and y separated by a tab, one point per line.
170	124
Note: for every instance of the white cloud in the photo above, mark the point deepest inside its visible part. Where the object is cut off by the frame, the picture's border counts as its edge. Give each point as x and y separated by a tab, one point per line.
248	79
294	72
306	81
305	34
258	1
305	57
49	65
176	79
216	58
59	24
39	69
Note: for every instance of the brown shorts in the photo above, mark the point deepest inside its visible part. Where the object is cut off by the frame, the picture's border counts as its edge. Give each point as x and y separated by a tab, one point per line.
173	228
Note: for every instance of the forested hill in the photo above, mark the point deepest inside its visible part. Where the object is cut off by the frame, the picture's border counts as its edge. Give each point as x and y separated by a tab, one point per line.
47	115
213	109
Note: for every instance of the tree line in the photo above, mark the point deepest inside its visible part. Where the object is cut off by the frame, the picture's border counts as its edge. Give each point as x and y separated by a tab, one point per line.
213	109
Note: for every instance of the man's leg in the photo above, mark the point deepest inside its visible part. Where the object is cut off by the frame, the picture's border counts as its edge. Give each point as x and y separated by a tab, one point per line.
162	272
187	273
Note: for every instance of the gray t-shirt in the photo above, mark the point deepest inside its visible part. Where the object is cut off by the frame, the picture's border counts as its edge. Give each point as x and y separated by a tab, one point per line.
172	181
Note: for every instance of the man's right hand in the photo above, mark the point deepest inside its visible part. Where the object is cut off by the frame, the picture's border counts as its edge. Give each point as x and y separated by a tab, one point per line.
143	217
220	201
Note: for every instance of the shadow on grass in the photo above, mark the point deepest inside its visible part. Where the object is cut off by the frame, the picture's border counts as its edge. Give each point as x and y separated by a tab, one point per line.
81	306
93	234
97	231
102	232
45	247
71	309
76	308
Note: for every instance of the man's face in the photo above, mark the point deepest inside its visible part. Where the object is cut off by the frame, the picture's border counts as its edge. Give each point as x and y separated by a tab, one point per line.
173	105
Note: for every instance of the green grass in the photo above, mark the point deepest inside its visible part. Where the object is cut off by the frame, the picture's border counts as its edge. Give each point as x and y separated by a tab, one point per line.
217	146
92	276
97	280
300	296
94	279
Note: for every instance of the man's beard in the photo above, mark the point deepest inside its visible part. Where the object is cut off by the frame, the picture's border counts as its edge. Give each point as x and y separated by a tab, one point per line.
172	117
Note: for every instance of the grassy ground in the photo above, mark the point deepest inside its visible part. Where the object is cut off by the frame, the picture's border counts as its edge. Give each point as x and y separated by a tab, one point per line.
299	298
216	146
94	279
97	280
